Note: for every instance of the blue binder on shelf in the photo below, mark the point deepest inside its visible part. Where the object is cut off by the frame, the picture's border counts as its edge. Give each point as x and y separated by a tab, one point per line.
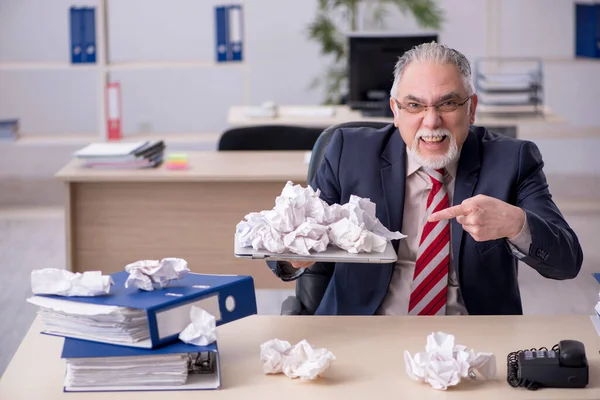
166	311
587	30
229	33
101	362
221	34
83	34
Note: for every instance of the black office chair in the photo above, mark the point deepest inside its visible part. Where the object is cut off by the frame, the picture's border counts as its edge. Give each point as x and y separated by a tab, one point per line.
311	285
269	137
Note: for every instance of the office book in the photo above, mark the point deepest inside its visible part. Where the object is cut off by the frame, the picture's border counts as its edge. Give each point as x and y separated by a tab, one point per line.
146	319
93	367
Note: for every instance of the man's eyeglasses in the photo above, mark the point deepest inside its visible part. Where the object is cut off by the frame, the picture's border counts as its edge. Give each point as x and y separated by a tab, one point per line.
443	107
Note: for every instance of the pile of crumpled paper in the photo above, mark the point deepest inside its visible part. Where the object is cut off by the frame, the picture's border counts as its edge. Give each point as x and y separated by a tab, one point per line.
301	222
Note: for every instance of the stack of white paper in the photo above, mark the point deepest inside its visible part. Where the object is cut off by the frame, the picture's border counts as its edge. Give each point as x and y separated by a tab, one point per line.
159	370
119	325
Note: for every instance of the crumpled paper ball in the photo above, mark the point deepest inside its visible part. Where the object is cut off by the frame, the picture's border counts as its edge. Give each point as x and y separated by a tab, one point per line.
302	222
66	283
299	361
202	331
444	364
149	275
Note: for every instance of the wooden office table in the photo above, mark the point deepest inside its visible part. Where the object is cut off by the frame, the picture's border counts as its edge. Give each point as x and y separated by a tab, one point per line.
115	217
369	359
300	115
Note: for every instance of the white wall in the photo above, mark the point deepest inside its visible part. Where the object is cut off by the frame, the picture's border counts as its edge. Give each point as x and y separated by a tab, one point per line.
280	62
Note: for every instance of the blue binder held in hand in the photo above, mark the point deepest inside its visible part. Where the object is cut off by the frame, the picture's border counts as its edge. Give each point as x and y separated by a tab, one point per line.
93	367
133	317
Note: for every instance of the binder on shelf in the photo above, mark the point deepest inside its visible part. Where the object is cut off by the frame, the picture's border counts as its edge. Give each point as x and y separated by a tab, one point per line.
9	129
221	34
235	32
94	367
587	30
113	110
89	35
83	34
229	33
75	19
137	318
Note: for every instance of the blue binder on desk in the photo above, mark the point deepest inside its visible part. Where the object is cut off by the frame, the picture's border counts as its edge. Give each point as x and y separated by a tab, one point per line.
93	367
137	318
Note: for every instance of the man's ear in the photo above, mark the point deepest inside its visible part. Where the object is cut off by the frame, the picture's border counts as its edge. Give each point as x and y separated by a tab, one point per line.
472	109
394	110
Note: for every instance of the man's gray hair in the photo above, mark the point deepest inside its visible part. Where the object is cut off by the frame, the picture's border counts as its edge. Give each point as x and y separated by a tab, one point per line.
438	54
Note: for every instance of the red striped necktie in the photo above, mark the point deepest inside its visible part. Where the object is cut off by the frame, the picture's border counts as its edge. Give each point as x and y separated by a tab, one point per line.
430	280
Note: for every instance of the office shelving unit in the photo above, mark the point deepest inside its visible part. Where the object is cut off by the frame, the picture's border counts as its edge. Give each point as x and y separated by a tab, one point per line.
509	86
102	68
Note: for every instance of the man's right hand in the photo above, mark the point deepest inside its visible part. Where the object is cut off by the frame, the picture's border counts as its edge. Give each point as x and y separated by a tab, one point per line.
301	264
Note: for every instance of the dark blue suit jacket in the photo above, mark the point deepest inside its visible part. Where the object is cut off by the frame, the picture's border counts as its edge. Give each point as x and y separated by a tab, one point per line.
371	163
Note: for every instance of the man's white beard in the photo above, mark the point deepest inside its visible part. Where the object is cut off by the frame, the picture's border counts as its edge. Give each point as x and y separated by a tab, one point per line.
435	162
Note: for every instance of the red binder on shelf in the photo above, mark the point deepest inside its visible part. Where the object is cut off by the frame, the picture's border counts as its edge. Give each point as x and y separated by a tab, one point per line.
113	110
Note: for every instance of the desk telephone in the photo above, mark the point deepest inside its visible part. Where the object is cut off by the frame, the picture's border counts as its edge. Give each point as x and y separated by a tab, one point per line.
565	366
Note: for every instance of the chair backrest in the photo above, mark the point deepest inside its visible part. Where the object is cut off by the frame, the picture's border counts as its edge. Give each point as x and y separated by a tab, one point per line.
318	151
311	286
269	137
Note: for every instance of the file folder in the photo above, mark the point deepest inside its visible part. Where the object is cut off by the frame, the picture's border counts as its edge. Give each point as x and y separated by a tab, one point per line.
75	19
113	110
83	34
587	30
229	33
221	34
120	368
89	35
235	32
165	312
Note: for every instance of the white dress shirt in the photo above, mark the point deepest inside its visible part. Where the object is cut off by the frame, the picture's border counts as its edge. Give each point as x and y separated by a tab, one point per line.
417	188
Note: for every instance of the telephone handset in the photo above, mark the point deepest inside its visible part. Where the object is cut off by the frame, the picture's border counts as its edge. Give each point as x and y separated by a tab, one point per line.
565	366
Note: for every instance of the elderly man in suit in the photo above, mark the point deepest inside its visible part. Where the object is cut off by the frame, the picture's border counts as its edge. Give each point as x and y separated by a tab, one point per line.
472	203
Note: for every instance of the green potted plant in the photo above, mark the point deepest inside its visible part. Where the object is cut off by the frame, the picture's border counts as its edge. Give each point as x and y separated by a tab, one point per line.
336	18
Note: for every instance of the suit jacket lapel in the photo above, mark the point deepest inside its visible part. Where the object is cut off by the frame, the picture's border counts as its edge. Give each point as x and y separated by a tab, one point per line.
393	178
467	175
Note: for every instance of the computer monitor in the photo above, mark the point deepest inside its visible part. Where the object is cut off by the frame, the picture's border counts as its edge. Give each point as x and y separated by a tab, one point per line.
371	69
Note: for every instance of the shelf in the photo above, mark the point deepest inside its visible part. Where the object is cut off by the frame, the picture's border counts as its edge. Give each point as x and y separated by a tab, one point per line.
49	139
40	66
169	65
176	138
86	138
570	60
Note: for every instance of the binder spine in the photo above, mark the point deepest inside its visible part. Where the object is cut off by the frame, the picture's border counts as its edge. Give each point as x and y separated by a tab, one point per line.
83	34
235	26
227	304
221	34
113	110
89	35
75	19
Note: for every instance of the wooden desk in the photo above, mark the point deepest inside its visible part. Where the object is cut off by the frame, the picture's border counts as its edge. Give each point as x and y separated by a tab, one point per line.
369	359
119	216
288	115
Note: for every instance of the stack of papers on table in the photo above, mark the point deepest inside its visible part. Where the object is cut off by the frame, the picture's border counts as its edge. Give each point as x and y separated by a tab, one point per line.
104	367
122	155
120	325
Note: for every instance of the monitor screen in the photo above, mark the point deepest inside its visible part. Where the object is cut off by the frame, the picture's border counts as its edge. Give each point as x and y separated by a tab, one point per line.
371	67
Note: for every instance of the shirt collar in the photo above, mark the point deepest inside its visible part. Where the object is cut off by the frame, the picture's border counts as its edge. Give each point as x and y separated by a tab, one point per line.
413	165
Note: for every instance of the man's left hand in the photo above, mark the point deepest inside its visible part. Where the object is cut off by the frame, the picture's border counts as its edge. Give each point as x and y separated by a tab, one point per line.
485	218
